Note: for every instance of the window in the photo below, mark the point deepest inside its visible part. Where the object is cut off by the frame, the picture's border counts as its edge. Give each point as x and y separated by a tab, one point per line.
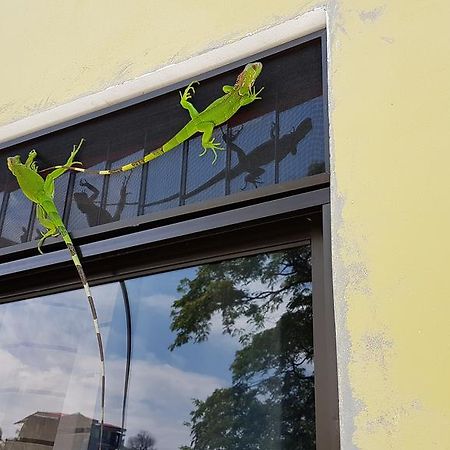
221	352
217	313
279	141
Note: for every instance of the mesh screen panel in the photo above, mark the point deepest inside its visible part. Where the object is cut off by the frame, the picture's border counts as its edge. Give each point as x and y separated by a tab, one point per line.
278	139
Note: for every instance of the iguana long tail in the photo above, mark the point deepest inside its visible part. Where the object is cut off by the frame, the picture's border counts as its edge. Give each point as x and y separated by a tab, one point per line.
73	253
148	157
180	137
41	193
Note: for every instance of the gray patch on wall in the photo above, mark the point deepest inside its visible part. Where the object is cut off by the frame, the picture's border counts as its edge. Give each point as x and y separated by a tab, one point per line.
372	15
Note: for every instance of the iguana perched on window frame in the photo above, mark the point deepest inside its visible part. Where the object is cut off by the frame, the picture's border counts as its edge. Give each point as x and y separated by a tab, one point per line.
218	112
41	192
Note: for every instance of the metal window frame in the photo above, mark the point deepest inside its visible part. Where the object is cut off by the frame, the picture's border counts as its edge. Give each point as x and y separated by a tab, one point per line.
20	250
269	219
283	223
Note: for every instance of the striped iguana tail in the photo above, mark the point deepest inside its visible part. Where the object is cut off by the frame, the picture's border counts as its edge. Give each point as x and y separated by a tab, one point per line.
73	253
148	157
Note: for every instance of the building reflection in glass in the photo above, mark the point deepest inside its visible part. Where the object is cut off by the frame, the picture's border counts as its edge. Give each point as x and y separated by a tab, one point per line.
222	357
47	430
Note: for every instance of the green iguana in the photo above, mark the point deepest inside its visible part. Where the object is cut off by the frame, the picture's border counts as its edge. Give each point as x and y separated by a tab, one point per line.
41	192
242	93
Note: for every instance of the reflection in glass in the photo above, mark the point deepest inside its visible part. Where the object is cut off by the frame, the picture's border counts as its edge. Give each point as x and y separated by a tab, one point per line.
301	146
86	209
278	139
123	190
223	355
49	371
252	148
163	181
126	203
205	180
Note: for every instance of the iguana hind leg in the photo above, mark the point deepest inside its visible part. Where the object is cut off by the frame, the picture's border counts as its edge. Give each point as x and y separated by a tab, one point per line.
52	230
52	176
208	142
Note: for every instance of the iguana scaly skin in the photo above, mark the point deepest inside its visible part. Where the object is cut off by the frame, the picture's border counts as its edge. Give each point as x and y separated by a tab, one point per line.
41	192
217	113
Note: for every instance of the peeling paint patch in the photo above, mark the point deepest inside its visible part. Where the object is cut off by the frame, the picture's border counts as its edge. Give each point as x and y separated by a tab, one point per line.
378	346
388	39
372	15
124	69
387	423
353	405
6	106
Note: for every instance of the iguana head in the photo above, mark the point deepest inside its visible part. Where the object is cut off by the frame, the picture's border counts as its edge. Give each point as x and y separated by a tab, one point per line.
247	77
13	162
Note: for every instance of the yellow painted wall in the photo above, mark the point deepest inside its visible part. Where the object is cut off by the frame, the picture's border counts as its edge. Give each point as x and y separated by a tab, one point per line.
389	110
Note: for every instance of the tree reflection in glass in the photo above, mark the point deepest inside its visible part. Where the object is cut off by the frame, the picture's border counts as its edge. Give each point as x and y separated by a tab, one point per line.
222	358
239	373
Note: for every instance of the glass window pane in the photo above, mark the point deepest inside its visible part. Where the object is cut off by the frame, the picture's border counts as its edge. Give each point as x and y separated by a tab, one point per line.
164	182
204	179
123	190
277	139
301	132
17	218
50	371
252	148
87	209
223	355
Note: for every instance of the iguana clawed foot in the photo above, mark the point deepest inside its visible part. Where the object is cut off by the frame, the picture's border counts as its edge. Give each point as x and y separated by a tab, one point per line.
49	233
254	95
186	95
31	157
213	146
70	162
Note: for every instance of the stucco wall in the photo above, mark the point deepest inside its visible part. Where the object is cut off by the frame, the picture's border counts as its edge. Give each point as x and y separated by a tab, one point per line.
389	109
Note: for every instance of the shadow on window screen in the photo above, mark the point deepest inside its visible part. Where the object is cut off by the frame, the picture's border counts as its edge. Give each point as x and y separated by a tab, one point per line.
222	357
274	140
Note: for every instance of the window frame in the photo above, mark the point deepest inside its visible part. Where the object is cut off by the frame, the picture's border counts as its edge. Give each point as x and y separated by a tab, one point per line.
268	219
198	241
99	232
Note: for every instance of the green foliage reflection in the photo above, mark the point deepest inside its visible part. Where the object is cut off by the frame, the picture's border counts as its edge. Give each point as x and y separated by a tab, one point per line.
265	301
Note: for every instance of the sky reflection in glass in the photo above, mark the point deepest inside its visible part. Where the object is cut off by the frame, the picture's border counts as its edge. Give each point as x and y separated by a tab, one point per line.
225	346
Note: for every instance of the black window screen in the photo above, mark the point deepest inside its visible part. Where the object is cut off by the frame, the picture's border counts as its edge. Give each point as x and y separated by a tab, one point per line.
276	140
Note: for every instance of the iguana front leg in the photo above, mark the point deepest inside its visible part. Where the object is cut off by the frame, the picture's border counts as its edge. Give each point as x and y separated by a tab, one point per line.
30	159
184	100
251	97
